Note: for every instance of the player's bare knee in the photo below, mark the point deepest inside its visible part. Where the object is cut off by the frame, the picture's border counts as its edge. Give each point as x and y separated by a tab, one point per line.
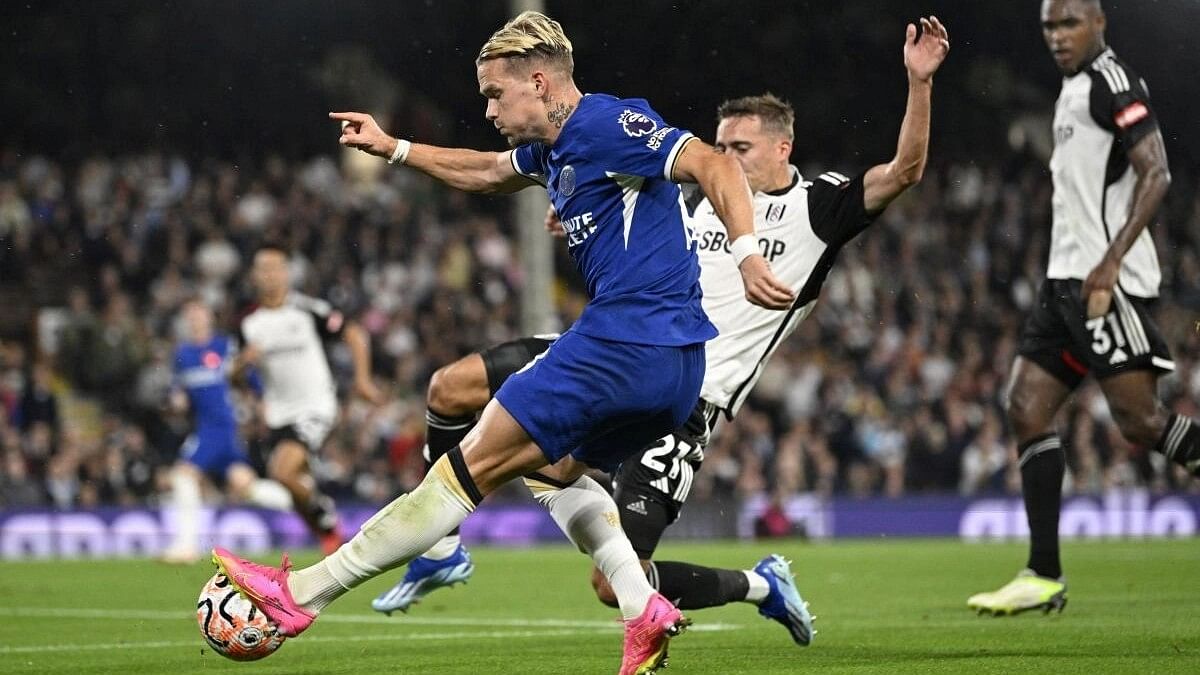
454	391
1017	400
604	592
1017	411
440	396
1025	413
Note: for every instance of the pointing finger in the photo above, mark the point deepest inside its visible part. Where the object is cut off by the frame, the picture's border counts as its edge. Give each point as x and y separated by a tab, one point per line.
352	117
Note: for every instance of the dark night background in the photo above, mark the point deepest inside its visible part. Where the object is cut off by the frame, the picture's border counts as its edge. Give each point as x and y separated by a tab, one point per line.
243	79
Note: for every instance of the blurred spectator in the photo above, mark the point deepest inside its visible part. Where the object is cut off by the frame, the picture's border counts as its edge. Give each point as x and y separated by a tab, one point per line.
62	479
16	486
985	460
893	385
38	404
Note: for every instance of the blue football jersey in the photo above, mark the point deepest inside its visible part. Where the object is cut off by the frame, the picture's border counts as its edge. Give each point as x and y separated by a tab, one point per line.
202	371
609	177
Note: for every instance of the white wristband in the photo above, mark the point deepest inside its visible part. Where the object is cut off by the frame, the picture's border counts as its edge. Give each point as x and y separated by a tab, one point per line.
400	154
743	247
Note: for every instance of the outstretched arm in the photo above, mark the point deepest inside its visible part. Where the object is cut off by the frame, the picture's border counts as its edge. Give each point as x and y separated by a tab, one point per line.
467	170
922	57
722	179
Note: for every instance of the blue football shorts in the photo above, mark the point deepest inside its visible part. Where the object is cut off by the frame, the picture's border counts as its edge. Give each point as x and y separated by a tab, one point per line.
602	401
213	451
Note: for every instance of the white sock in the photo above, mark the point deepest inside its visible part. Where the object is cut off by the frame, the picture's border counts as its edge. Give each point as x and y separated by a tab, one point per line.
588	516
759	587
185	499
396	534
269	494
445	547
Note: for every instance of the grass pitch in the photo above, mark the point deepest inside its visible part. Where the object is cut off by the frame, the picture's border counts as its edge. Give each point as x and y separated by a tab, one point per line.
884	607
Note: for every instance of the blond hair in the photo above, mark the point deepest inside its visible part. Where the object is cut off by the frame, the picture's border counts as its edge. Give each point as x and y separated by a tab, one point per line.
775	114
530	35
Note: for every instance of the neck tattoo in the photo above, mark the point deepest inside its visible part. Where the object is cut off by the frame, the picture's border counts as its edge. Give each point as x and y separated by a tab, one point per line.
559	113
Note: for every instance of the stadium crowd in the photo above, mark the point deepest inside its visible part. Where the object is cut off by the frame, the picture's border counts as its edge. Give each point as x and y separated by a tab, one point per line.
894	385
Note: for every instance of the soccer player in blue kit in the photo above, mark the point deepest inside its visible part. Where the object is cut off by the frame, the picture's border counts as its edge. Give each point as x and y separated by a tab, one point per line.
626	373
202	365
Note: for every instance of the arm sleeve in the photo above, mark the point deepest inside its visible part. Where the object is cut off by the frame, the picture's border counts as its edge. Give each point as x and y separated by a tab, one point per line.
632	139
836	208
1120	103
330	322
527	160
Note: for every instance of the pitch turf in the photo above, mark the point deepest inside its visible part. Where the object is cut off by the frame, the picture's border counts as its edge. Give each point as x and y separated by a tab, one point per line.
884	607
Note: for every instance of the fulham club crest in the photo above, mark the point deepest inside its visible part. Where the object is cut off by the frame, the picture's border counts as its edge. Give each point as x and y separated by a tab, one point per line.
775	212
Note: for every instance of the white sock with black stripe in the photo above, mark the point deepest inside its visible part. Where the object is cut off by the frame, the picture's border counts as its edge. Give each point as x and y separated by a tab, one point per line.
1180	443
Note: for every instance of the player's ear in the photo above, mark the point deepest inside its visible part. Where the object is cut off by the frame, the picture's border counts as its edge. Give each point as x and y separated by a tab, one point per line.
785	149
541	83
1099	20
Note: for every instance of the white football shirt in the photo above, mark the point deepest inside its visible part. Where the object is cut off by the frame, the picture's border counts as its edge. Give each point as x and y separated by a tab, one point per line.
1101	113
800	230
297	382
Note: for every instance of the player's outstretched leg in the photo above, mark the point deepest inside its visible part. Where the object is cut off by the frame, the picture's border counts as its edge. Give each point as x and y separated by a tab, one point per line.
456	393
770	586
396	534
400	531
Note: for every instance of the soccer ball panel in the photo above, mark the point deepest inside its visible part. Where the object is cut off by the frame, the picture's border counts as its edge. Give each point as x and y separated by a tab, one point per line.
231	625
